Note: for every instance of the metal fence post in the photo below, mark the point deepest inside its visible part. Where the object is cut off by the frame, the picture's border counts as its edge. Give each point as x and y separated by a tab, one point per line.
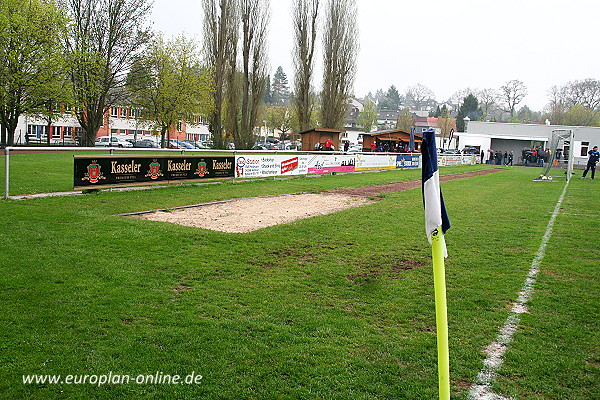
6	172
234	165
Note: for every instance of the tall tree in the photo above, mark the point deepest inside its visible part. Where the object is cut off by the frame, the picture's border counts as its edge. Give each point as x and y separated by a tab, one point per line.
512	93
469	108
280	88
169	85
367	118
405	120
586	93
279	117
305	18
340	47
419	95
105	37
393	97
30	42
221	31
581	115
268	98
255	17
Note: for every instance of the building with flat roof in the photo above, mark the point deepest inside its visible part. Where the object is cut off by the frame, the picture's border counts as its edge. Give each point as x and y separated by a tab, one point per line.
506	137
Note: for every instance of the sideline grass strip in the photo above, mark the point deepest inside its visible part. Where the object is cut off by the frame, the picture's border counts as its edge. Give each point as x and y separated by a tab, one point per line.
481	389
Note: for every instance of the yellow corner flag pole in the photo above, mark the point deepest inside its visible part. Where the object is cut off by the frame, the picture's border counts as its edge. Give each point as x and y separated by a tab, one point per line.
441	313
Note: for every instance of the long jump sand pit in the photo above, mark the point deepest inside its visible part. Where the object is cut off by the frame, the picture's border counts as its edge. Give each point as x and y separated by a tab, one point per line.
250	214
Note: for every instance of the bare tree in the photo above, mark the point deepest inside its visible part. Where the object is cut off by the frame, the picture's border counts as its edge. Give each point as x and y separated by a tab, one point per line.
220	47
586	93
459	96
419	95
512	93
305	19
488	99
340	47
105	37
255	17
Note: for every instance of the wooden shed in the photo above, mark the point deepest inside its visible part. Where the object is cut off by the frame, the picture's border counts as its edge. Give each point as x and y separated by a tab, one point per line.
312	137
392	140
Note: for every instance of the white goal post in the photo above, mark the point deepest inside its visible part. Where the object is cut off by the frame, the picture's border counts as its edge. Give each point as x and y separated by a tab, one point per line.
561	155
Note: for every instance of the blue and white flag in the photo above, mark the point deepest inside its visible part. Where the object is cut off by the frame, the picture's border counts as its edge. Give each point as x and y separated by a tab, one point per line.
435	210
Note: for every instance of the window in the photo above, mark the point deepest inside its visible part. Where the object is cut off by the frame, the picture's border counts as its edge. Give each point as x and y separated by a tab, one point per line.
585	147
179	126
114	112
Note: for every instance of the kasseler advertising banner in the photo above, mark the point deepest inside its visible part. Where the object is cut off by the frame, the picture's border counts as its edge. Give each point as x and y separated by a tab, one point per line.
102	170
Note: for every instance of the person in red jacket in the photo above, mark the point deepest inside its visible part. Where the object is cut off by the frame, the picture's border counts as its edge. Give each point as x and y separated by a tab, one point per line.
328	145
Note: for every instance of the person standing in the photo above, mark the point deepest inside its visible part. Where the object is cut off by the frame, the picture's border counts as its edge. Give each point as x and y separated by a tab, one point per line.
594	156
510	158
328	145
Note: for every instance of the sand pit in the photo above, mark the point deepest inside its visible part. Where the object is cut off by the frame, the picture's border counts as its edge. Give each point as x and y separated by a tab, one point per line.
250	214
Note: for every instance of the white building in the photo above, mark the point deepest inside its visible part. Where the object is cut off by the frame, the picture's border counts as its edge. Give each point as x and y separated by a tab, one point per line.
515	137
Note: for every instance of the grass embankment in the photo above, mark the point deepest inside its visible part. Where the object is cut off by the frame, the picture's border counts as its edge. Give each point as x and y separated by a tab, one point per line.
331	307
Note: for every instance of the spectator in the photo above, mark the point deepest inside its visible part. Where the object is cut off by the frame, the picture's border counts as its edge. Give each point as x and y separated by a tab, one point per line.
594	156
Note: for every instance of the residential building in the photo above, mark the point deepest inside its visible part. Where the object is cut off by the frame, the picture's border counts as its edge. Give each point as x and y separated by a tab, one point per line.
121	122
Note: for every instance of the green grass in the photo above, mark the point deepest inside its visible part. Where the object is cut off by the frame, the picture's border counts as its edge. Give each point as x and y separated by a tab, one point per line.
330	307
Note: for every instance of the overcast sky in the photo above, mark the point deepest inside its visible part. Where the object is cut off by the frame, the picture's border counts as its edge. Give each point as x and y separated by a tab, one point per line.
444	45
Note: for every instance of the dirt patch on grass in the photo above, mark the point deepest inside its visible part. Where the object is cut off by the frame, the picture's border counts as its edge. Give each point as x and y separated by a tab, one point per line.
246	215
407	185
250	214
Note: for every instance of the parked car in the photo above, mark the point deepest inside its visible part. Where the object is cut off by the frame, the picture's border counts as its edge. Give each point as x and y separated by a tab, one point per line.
176	144
470	150
64	142
197	145
146	143
451	151
108	141
188	145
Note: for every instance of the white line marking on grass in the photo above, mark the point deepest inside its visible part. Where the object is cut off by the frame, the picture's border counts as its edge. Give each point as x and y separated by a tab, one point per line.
482	388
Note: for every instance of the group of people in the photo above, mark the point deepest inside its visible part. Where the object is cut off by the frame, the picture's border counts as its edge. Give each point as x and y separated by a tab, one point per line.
537	155
499	158
389	147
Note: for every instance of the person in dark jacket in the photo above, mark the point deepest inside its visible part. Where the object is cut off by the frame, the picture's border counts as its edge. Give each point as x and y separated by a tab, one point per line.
594	156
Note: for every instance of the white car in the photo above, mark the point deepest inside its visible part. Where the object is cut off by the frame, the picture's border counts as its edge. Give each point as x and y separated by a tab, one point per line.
107	141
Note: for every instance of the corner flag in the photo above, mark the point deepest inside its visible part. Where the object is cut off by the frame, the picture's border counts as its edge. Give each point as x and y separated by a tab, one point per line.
437	223
435	210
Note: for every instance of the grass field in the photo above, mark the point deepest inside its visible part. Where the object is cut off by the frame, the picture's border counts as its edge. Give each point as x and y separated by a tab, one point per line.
331	307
